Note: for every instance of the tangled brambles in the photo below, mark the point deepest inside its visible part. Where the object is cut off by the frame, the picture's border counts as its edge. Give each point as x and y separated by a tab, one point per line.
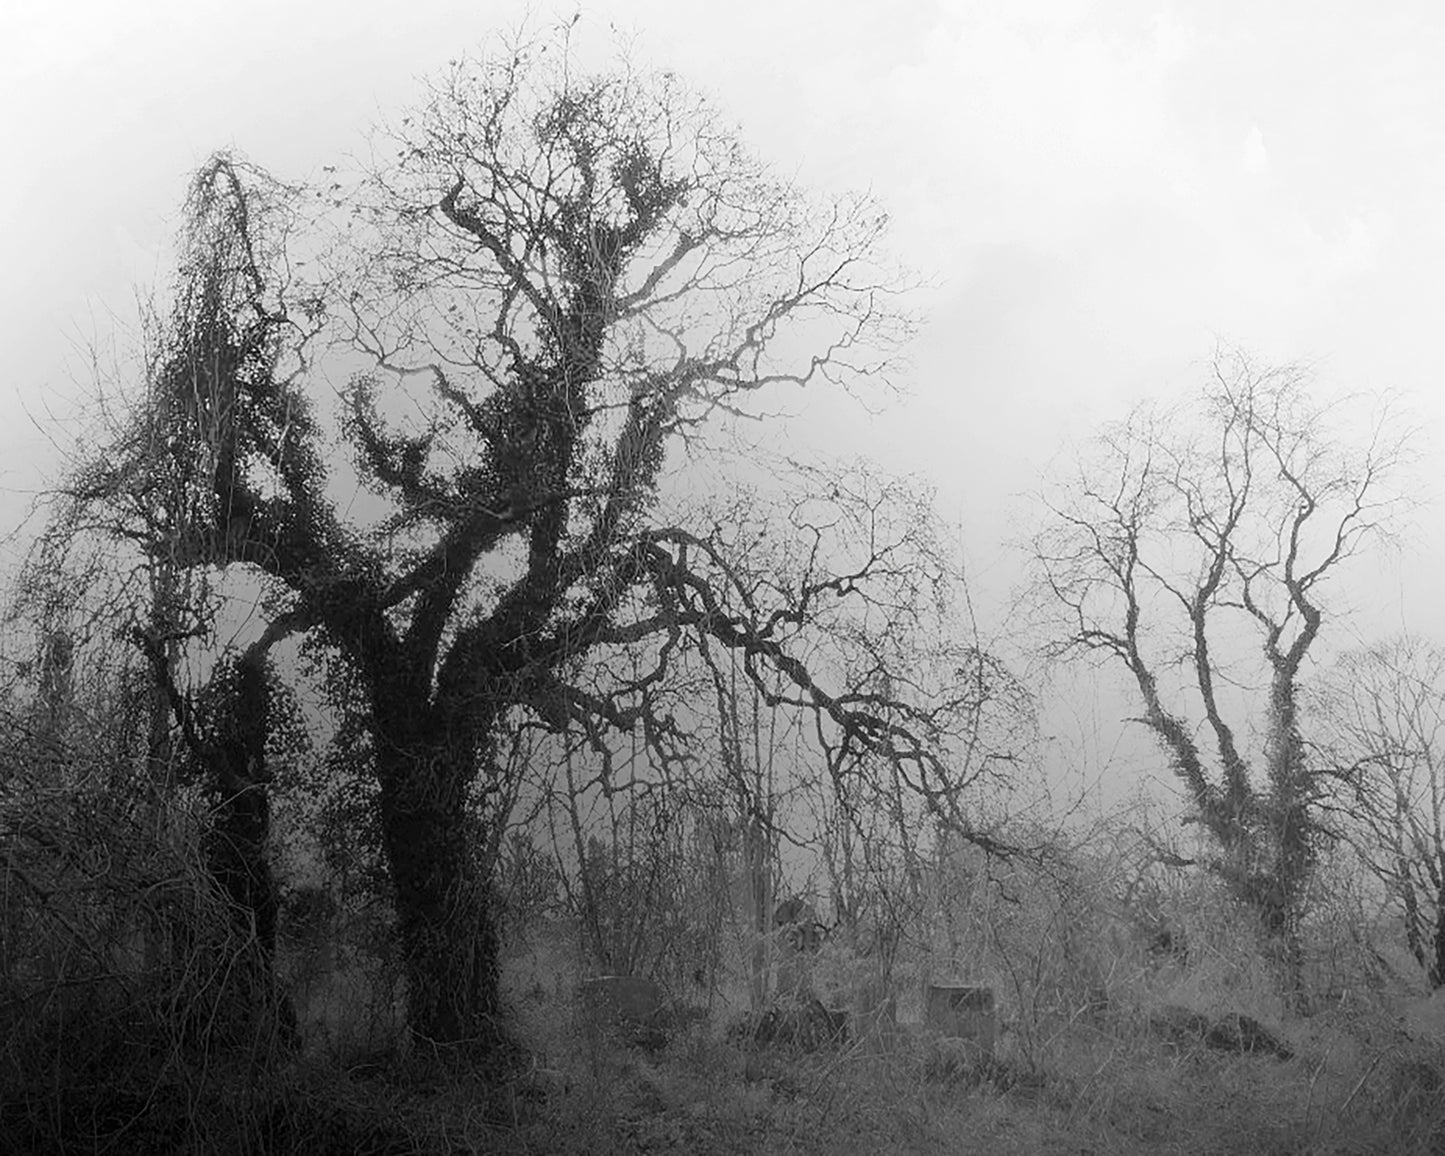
806	1026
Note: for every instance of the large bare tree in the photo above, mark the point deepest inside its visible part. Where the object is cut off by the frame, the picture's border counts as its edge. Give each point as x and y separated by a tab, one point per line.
540	300
1188	538
1380	713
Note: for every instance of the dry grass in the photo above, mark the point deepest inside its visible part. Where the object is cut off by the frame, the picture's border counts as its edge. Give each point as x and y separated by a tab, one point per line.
1109	1083
117	1041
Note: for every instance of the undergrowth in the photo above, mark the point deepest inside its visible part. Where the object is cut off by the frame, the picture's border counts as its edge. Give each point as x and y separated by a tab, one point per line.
135	1018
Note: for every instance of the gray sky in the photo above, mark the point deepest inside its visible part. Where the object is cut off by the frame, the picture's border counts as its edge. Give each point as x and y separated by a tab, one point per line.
1098	192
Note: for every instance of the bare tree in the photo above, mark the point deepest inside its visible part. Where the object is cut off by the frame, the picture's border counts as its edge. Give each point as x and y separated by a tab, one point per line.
1188	537
552	291
1381	724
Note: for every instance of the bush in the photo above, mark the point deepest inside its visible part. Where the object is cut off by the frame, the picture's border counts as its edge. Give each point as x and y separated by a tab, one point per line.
122	973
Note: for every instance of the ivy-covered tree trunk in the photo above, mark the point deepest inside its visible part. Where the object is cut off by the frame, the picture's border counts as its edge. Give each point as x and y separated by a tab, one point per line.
237	843
241	816
426	760
448	936
227	743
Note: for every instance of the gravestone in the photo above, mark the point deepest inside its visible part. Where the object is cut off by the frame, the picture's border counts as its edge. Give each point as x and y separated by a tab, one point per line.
962	1012
627	1004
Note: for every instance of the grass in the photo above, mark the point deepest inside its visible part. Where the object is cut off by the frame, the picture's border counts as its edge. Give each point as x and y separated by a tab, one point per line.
109	1066
1108	1085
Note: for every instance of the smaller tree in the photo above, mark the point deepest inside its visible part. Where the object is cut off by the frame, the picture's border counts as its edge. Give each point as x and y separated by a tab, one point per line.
1381	712
1183	535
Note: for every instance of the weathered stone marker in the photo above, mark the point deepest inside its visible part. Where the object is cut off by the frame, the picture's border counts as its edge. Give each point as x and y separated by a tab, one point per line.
621	1000
966	1013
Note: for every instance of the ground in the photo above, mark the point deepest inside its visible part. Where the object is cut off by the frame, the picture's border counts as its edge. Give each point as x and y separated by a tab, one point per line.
1111	1081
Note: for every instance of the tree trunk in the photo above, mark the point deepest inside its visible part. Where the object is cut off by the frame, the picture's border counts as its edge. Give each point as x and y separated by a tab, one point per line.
1436	970
1292	948
231	755
448	931
241	822
1288	807
235	845
758	869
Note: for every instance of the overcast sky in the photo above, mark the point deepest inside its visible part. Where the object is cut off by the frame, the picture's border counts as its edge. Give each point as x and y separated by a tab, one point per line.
1097	192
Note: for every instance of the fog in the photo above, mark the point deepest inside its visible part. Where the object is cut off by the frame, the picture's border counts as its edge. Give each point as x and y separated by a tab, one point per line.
1093	202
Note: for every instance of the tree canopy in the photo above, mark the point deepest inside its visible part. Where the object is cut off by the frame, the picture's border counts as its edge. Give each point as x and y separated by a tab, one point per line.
528	321
1179	535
